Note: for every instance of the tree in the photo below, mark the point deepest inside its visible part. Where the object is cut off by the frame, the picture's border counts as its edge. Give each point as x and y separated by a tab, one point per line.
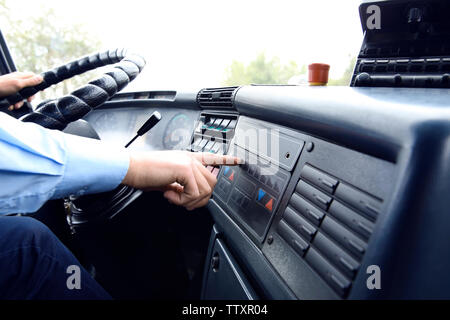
261	71
42	42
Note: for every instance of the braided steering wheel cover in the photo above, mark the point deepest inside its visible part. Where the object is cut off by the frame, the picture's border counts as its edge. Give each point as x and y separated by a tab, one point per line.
58	113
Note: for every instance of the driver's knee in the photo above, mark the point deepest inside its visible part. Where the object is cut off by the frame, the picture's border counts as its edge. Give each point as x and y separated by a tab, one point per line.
24	232
33	264
27	251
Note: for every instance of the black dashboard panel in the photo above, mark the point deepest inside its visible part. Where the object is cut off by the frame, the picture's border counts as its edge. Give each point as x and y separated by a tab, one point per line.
369	188
252	191
323	219
327	218
356	177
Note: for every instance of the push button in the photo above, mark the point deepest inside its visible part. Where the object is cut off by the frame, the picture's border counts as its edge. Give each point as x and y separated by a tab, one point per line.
265	199
208	146
305	208
228	173
223	125
335	254
317	197
330	274
366	203
269	204
319	178
245	202
231	125
202	144
216	124
342	235
291	237
350	218
299	224
210	122
261	194
216	147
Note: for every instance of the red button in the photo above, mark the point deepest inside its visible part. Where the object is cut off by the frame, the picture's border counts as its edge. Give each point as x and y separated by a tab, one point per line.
269	204
231	176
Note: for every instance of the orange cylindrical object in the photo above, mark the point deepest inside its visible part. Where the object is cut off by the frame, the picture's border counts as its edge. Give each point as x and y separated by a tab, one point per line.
318	74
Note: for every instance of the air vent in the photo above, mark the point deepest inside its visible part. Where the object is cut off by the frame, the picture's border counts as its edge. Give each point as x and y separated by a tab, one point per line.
144	95
410	50
213	98
329	223
428	72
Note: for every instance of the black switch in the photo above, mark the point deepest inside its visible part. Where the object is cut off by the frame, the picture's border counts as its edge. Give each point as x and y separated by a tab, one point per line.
232	124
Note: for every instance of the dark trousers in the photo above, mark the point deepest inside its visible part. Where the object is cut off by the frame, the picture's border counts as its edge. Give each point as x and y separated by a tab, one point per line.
34	264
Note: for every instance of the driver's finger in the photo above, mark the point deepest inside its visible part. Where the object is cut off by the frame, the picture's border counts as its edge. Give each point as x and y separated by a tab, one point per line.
208	158
205	186
190	189
29	99
201	203
18	105
174	186
24	75
30	81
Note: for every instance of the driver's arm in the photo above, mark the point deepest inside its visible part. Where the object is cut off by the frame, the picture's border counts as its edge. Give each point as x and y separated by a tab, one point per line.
38	164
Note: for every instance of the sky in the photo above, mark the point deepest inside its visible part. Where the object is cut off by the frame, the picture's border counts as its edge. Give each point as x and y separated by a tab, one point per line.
189	44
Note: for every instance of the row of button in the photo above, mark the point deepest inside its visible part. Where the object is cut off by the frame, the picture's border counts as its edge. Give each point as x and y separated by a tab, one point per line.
350	241
329	247
405	50
271	181
365	203
220	124
240	199
223	186
205	145
299	233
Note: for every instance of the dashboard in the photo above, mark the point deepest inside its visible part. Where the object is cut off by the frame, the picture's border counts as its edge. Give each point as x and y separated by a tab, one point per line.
335	182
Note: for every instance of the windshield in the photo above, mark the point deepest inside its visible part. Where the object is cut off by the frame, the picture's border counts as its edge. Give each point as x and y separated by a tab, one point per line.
189	44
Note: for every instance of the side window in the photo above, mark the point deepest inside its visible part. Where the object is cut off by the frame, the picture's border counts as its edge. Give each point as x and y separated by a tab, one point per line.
42	41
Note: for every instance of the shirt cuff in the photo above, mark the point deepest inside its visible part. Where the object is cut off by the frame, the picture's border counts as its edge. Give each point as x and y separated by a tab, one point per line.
92	166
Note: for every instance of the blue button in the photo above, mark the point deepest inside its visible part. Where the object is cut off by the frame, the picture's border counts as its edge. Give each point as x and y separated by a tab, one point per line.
225	170
261	194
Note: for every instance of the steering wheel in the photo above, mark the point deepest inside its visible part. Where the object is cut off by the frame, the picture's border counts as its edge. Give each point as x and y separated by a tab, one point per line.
58	113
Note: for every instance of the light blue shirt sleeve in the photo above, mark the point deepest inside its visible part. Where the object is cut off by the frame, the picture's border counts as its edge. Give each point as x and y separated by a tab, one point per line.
38	164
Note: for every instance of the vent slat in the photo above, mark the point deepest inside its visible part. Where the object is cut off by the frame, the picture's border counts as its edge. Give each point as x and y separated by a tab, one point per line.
216	97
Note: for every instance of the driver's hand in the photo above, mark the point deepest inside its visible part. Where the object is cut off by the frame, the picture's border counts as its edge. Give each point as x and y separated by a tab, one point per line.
180	174
13	82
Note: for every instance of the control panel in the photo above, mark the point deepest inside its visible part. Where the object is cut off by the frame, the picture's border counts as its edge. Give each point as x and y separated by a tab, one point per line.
252	191
329	222
213	133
